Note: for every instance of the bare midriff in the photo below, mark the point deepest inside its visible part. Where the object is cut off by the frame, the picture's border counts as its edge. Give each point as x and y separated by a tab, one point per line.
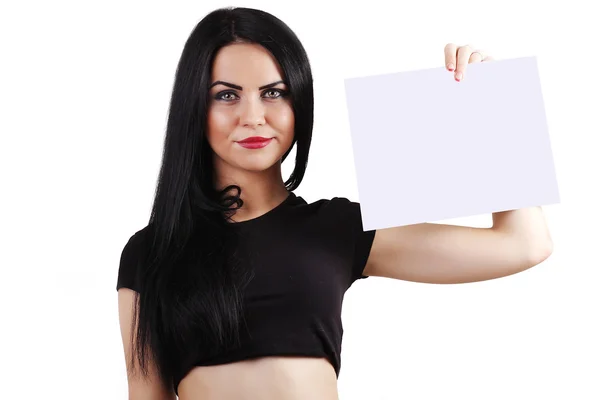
264	378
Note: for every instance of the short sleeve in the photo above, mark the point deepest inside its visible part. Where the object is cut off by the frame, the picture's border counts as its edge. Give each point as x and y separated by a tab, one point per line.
130	261
363	241
349	226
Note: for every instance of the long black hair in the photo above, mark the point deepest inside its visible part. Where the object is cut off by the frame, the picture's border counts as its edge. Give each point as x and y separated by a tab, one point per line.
190	299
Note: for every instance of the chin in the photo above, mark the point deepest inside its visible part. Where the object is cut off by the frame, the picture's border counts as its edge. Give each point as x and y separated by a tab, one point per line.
257	164
249	160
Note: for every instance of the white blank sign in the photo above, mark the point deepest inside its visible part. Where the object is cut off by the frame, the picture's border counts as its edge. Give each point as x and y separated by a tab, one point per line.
428	148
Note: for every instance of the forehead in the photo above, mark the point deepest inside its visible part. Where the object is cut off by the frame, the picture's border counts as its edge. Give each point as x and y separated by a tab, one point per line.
246	64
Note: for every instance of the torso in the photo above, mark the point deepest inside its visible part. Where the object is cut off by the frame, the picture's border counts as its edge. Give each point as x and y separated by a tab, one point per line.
292	304
265	378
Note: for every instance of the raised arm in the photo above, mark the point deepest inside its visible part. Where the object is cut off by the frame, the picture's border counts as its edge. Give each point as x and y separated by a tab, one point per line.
437	253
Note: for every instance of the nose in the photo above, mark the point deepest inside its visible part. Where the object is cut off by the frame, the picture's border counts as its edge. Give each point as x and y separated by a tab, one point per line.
252	113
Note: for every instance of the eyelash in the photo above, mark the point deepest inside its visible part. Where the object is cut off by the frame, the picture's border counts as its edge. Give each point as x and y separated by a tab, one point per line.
282	93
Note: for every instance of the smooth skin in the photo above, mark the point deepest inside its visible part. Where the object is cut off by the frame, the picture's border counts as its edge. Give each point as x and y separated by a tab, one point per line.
430	253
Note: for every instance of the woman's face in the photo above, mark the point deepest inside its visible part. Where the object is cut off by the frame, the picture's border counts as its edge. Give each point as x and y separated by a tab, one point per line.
247	99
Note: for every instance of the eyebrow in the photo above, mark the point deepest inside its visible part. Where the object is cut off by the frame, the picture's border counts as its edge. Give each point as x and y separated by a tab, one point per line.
231	85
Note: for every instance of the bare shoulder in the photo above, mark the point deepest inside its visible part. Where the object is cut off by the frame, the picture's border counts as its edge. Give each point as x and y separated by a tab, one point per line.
149	388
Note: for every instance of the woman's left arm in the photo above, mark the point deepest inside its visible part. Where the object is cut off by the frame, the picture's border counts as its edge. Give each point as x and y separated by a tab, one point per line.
438	253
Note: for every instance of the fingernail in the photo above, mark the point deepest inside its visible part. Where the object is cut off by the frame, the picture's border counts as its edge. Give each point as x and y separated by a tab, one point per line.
459	76
450	66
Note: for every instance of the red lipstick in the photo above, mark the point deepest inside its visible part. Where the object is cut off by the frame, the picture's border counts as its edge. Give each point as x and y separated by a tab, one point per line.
254	142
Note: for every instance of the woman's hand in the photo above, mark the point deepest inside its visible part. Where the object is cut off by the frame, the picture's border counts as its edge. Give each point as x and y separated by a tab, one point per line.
458	57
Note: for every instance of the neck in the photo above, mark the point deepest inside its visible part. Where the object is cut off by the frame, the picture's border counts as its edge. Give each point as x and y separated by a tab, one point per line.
261	191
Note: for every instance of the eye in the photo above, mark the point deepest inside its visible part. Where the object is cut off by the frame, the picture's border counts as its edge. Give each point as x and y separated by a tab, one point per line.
275	93
221	96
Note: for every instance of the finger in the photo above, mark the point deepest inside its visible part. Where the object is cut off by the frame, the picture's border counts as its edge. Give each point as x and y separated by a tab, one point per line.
450	56
488	58
462	58
476	56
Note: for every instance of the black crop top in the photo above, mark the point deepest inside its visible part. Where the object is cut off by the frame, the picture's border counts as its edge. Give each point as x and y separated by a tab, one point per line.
308	256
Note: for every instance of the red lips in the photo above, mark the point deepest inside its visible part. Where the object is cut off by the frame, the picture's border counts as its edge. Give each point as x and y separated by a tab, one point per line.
254	139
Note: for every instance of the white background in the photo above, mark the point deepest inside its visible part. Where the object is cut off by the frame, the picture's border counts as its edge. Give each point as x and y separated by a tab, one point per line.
84	93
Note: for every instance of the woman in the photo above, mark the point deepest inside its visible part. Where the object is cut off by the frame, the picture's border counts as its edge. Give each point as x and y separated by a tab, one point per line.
234	288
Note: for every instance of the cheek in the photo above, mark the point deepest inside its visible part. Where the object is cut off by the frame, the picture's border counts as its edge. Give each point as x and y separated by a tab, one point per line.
282	118
220	124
